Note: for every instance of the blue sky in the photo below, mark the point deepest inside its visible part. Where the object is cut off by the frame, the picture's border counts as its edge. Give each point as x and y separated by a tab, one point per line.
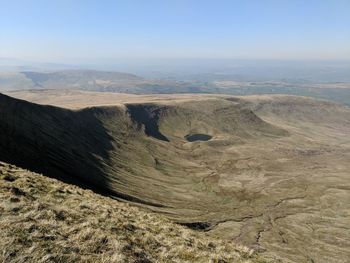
65	30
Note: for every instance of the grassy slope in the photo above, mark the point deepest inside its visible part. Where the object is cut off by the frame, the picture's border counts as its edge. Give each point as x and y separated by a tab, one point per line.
45	220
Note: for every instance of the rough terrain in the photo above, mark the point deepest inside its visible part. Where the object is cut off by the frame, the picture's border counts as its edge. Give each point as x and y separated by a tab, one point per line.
45	220
272	173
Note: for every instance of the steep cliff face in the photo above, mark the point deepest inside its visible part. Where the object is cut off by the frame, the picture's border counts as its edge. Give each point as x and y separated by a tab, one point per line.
71	145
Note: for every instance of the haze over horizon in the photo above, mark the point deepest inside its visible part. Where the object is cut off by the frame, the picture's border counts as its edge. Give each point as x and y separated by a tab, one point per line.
81	32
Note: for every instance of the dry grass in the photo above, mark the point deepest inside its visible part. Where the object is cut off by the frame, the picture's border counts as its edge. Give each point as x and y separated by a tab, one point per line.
45	220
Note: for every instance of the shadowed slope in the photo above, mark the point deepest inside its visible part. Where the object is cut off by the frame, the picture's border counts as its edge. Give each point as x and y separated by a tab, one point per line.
148	116
58	142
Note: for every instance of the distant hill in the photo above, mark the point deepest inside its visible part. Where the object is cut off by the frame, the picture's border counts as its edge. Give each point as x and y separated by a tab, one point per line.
108	81
68	79
93	81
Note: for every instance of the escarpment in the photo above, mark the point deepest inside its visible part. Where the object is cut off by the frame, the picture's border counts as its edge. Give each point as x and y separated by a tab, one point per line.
256	170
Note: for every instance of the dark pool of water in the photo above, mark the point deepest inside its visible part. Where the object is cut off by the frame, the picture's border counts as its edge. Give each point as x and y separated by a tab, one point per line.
198	137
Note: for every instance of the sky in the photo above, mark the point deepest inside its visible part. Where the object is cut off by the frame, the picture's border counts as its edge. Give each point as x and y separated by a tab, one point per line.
88	30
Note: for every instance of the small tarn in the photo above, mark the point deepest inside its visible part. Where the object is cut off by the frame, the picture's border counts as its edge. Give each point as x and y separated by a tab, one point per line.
198	137
199	226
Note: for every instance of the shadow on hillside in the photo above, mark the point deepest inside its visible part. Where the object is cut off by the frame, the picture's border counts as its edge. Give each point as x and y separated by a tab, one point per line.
147	115
72	146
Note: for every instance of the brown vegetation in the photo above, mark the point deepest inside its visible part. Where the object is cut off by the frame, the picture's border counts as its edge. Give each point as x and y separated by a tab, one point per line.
45	220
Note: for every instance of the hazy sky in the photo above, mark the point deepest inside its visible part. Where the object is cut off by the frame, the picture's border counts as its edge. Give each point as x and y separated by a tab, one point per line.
68	30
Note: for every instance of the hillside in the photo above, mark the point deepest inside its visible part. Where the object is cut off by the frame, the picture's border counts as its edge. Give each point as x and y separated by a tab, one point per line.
45	220
263	171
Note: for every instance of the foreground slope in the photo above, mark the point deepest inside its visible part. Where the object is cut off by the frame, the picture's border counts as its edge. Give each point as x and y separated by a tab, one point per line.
45	220
269	172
